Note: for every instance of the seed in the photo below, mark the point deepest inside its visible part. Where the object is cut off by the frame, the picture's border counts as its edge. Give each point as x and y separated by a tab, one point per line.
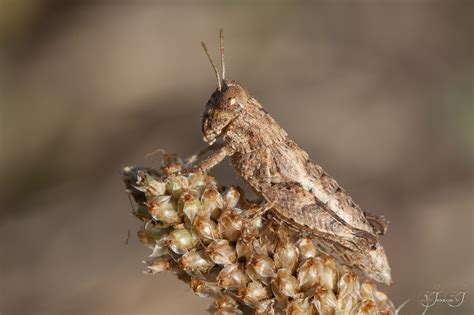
221	252
301	306
153	186
265	307
230	224
163	209
243	247
232	196
188	205
196	261
226	305
368	290
254	292
197	182
327	272
348	289
203	288
325	301
156	232
160	248
253	227
306	248
284	285
308	274
176	184
265	244
182	240
367	307
206	229
286	255
171	163
146	239
261	268
157	265
142	213
231	277
212	203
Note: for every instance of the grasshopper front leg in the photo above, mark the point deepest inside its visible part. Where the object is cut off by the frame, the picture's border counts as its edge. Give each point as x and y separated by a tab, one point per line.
219	152
193	158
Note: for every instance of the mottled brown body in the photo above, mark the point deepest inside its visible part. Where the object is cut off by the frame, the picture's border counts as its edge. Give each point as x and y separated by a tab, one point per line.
300	193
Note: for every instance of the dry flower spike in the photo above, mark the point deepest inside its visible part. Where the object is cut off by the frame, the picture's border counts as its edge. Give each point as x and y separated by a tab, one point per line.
207	237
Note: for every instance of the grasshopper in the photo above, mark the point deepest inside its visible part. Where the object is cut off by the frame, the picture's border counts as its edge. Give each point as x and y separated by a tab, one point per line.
300	193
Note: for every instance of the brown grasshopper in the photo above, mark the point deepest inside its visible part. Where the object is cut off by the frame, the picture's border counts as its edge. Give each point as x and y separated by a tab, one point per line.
298	191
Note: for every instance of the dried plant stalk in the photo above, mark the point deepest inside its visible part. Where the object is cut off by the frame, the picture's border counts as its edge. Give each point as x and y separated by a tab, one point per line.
215	240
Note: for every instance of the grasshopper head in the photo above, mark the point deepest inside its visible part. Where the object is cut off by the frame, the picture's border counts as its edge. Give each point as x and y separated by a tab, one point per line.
223	107
225	104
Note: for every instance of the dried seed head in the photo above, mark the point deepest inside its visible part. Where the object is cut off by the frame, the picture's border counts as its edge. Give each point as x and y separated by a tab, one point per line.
284	273
212	203
230	224
206	229
261	268
182	240
231	277
221	252
196	262
254	292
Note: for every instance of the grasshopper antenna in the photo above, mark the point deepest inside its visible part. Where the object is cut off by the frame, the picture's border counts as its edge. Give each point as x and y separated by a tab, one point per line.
219	82
221	36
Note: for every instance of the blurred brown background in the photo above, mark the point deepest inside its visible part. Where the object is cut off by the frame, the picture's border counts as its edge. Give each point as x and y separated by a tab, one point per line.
379	93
